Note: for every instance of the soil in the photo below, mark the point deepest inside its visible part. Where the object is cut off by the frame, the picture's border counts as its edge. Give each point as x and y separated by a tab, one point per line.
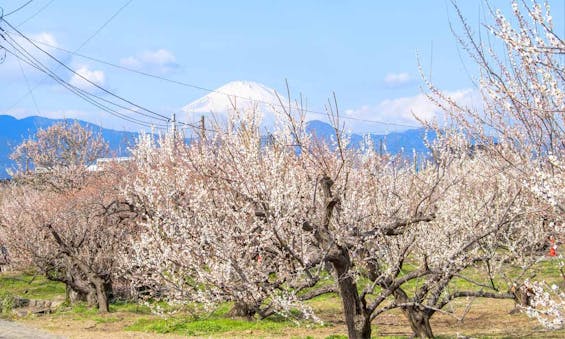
12	330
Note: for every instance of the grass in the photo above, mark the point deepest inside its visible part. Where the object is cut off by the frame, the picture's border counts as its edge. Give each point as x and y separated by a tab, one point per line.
26	285
30	286
106	320
129	307
200	327
83	309
488	318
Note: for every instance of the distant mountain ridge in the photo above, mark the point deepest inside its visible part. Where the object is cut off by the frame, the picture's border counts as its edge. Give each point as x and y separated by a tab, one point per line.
394	142
13	131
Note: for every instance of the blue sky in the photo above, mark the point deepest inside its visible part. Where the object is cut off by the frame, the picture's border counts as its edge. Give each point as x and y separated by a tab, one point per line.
365	51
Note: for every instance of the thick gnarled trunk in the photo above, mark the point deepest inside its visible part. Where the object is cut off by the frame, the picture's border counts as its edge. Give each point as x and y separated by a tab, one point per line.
356	317
242	309
102	296
73	296
419	322
418	316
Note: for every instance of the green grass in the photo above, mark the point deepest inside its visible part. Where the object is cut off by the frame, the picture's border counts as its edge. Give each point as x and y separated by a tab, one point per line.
129	307
6	302
222	310
548	270
31	287
83	309
194	327
192	320
106	320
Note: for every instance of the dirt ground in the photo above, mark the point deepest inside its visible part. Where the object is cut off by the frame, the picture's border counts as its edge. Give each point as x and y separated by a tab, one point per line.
486	318
12	330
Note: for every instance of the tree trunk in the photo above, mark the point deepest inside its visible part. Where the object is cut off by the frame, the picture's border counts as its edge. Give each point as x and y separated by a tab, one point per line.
72	296
101	296
418	317
357	320
420	323
242	309
356	316
76	290
99	285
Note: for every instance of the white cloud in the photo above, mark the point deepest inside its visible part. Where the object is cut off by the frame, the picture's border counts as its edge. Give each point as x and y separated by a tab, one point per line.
161	57
397	79
403	111
45	38
131	62
159	61
94	76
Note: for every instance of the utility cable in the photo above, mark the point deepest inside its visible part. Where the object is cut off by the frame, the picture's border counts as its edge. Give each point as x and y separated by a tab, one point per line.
79	92
22	50
80	46
83	77
36	13
18	9
104	25
29	87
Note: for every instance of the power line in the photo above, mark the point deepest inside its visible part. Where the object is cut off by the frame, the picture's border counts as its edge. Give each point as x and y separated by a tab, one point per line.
19	8
35	62
23	55
29	87
36	13
76	50
185	84
181	83
26	57
85	95
83	77
104	25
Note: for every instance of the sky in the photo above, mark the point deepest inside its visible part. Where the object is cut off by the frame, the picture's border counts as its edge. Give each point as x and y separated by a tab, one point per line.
366	52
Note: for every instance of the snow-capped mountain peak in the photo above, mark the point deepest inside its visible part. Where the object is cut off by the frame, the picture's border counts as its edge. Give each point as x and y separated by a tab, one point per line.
242	94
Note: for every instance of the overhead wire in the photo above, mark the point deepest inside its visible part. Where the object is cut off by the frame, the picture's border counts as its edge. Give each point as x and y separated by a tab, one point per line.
86	96
36	13
95	85
29	87
14	44
22	55
18	9
104	25
77	49
32	61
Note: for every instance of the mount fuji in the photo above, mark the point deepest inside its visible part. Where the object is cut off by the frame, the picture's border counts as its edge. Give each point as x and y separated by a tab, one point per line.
245	95
236	95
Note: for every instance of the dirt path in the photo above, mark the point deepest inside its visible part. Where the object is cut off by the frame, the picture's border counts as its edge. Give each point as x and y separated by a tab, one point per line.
12	330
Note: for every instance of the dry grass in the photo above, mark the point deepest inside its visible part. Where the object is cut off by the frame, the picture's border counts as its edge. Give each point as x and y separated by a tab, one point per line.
486	318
